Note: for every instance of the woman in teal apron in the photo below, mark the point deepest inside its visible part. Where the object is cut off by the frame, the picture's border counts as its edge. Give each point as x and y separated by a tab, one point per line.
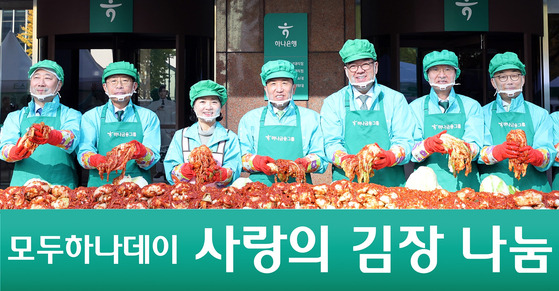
280	130
445	111
206	98
53	160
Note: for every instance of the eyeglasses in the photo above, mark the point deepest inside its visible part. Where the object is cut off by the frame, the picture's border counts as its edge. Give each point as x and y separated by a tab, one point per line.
365	66
115	81
504	78
444	69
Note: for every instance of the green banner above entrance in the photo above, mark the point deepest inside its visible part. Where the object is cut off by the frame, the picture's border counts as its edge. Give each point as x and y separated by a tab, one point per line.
285	37
111	15
466	15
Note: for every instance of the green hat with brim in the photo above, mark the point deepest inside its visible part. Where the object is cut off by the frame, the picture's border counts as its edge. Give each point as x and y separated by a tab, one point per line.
506	61
121	68
207	88
278	69
357	49
437	58
49	66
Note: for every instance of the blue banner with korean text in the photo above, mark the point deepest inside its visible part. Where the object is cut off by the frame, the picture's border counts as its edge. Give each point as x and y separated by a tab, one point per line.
279	249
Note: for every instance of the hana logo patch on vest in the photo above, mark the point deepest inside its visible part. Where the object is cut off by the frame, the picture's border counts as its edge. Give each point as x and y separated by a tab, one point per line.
446	126
280	138
512	124
366	123
121	134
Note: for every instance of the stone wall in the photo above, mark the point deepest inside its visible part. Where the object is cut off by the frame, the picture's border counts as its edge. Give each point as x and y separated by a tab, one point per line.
240	51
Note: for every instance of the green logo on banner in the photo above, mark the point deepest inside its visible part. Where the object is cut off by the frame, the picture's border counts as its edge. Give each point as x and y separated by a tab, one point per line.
111	15
466	15
285	37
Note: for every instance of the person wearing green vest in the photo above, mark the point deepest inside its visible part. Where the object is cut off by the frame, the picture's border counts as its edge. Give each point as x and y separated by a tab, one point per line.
206	98
510	111
280	130
444	111
117	122
53	160
555	166
366	112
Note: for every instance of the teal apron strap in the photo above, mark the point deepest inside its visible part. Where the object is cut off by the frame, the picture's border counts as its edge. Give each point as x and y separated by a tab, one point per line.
454	123
126	131
279	149
48	162
534	179
356	137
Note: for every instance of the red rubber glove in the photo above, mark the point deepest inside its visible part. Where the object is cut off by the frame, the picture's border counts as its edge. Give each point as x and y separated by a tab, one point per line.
55	136
260	163
505	150
434	144
140	149
304	163
386	159
96	160
219	176
187	171
533	156
18	153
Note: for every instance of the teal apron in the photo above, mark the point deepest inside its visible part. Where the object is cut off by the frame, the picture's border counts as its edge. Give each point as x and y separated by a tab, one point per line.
432	124
555	177
555	173
363	127
534	179
48	162
112	134
279	142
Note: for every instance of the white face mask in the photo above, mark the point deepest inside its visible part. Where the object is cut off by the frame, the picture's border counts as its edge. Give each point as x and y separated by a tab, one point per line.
442	87
120	98
45	96
209	118
281	103
362	85
510	93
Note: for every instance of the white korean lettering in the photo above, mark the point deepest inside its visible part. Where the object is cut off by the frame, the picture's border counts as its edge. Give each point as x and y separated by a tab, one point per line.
311	240
21	250
496	251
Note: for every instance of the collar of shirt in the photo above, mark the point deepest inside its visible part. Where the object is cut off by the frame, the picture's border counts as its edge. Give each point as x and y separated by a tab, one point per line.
358	102
516	104
112	108
219	134
208	132
49	106
435	99
288	108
